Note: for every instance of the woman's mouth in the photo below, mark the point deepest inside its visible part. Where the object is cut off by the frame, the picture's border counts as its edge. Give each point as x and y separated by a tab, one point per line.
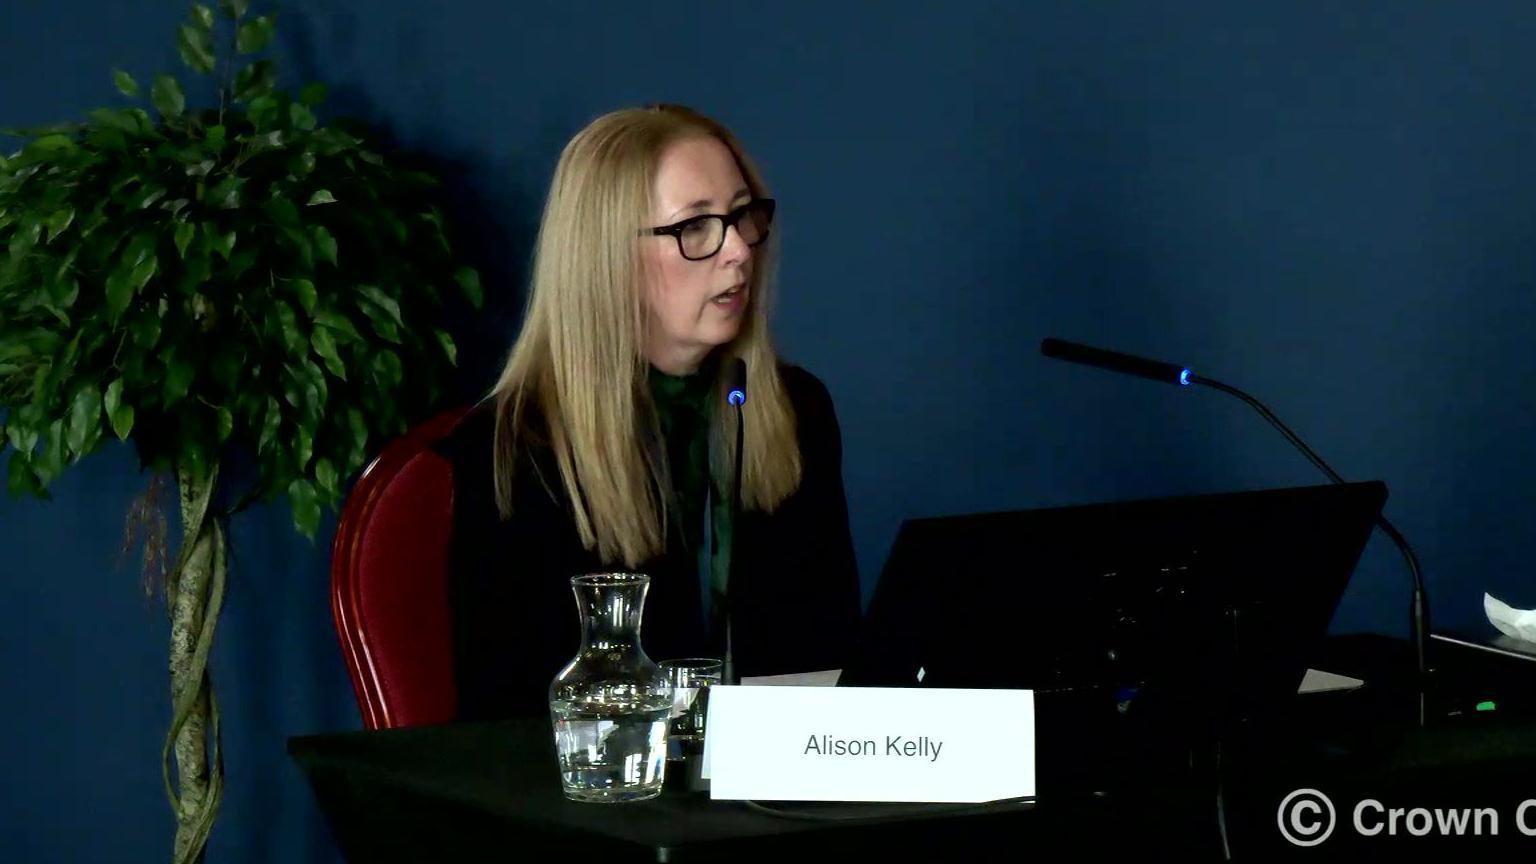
731	297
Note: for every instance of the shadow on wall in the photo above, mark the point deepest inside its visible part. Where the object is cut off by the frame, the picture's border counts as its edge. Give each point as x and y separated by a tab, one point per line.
483	208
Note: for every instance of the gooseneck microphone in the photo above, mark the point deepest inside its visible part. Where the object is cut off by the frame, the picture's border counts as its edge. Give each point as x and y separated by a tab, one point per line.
1171	373
736	397
1114	361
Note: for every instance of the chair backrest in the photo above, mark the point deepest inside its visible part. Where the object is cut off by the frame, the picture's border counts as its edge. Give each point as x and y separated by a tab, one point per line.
389	582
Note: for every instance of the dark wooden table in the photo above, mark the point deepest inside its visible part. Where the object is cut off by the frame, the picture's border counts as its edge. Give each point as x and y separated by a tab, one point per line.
489	791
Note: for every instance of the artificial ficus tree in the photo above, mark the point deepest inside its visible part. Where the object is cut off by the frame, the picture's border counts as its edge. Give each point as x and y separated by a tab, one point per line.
236	284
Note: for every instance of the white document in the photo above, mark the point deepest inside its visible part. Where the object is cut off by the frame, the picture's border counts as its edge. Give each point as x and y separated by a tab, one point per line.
1326	682
826	678
796	743
1514	623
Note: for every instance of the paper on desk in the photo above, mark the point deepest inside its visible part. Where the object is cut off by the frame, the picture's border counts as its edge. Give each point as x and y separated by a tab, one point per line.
1316	681
1514	623
826	678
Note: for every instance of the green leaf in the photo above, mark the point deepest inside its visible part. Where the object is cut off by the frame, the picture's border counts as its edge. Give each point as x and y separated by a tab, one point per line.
269	427
303	445
121	415
292	336
255	35
306	163
308	297
339	323
297	389
184	234
196	48
262	110
469	283
145	328
146	197
255	83
125	83
203	16
119	292
59	222
312	94
325	475
306	507
316	390
449	348
51	463
226	423
387	370
139	247
321	196
224	244
22	480
167	98
325	345
143	272
178	380
213	139
233	9
65	292
301	247
226	195
116	119
84	418
325	244
25	238
387	327
23	438
358	424
283	212
377	296
47	147
300	117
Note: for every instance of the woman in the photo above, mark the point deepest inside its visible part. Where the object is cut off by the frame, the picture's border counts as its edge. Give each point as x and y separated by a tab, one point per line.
607	442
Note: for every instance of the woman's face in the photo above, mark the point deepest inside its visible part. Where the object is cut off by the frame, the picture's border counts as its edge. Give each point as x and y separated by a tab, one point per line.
694	306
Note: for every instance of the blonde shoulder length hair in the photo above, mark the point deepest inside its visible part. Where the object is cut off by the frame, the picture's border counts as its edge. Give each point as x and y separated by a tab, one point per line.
579	363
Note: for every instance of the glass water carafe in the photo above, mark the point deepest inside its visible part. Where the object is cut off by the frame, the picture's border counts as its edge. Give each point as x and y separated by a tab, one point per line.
610	704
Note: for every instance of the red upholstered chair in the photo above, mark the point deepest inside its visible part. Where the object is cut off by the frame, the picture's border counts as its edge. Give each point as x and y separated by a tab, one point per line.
389	582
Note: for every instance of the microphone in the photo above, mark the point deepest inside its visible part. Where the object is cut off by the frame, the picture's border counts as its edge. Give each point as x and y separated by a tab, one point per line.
1171	373
1114	361
736	396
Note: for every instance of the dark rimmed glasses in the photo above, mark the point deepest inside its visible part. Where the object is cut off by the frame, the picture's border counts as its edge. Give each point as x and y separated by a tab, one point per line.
700	237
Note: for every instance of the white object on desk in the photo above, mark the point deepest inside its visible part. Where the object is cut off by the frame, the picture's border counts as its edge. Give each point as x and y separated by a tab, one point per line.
1514	623
826	678
1315	681
1326	682
817	743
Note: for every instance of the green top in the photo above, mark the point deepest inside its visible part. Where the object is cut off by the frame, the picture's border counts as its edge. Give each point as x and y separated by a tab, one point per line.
683	407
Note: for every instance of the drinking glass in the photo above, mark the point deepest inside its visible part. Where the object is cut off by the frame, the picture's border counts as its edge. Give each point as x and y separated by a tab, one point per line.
690	679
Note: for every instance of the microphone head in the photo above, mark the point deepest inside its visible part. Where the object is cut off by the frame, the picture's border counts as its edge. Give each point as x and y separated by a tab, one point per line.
1114	361
736	385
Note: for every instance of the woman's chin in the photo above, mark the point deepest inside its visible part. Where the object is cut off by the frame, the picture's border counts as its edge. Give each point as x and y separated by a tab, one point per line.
722	332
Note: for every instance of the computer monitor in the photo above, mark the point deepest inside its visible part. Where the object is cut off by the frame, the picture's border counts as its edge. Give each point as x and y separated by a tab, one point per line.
1183	613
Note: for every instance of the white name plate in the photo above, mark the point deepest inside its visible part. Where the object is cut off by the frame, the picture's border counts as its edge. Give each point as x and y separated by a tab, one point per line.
870	744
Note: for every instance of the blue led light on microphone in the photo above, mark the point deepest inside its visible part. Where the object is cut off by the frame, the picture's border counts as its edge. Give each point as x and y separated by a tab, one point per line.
737	397
1184	378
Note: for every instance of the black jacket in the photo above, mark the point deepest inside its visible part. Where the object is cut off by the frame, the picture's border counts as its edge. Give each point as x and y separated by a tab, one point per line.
794	593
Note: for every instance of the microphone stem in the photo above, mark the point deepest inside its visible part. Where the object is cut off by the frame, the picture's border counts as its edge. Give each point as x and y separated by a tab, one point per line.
728	672
1419	609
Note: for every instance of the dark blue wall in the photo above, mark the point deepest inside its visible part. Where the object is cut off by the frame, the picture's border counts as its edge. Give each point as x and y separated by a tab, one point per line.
1327	204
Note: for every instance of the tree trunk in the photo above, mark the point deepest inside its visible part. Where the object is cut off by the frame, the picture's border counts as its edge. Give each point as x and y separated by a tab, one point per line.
194	594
